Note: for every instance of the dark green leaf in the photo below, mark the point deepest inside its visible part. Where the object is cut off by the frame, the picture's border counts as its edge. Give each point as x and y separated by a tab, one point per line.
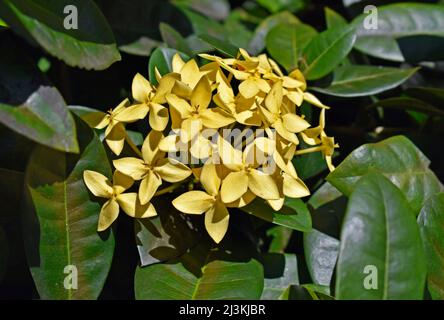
60	221
415	49
162	58
381	254
357	81
321	253
280	236
334	19
285	43
43	118
406	103
215	9
91	45
237	33
280	272
202	274
279	5
167	236
141	47
395	21
257	44
434	96
309	165
203	25
431	222
197	45
326	51
220	45
325	194
173	38
294	214
399	160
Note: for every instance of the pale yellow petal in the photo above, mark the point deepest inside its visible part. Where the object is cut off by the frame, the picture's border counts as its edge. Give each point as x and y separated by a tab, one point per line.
133	113
216	221
98	184
201	148
108	214
262	185
284	133
296	97
210	179
215	118
249	88
172	170
201	95
182	107
169	143
313	100
133	167
141	87
276	204
273	100
148	187
116	138
190	73
231	157
246	198
150	146
297	74
263	85
98	120
165	86
190	128
121	182
194	202
234	186
294	188
177	63
131	205
294	123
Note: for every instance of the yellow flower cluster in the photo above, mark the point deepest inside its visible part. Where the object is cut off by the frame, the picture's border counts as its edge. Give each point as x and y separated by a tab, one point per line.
248	94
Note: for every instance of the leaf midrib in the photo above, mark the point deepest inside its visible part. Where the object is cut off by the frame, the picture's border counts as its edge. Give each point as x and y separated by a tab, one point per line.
364	78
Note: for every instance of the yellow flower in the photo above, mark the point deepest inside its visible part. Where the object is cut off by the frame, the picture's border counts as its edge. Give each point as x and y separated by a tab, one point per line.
209	201
113	121
245	174
285	123
189	71
192	116
152	168
100	186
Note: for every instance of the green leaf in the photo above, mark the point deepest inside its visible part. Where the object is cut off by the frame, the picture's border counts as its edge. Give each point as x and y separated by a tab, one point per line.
334	19
224	47
280	272
202	274
421	48
141	47
326	51
395	21
279	5
434	96
294	214
203	25
173	38
237	33
91	45
381	254
310	164
357	81
280	236
167	236
60	220
257	43
43	118
215	9
406	103
162	59
325	194
321	252
399	160
431	222
285	43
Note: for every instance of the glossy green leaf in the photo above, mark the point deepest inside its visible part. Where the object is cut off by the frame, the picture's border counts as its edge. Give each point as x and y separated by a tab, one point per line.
434	96
43	118
310	164
285	43
280	272
215	9
399	160
140	47
381	254
202	274
257	43
60	221
395	21
334	19
173	38
406	103
167	236
237	33
162	58
431	222
294	214
91	45
280	236
204	25
415	49
360	80
279	5
326	51
321	252
325	194
222	46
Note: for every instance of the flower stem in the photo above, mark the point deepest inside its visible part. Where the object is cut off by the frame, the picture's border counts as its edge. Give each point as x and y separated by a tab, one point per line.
133	146
168	189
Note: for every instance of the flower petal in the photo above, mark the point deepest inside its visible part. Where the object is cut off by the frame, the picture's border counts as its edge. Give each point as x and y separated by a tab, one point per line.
121	182
133	113
131	205
215	118
273	100
177	63
150	146
172	170
190	73
98	184
294	187
148	187
234	186
201	95
97	120
248	88
133	167
294	123
209	179
189	129
284	133
216	221
116	138
108	214
181	106
194	202
158	117
276	204
165	86
262	185
140	88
